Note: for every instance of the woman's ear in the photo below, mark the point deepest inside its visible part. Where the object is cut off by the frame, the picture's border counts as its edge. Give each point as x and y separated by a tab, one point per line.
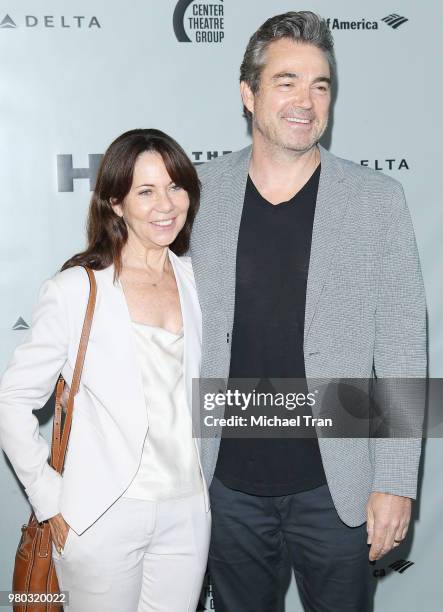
116	207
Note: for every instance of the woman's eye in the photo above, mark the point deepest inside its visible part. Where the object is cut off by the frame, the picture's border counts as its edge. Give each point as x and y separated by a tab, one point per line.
145	192
176	187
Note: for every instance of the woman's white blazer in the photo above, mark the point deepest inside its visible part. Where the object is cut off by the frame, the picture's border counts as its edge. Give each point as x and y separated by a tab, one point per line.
110	420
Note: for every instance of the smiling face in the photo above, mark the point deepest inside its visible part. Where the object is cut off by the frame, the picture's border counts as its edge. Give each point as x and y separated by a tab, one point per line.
290	109
155	208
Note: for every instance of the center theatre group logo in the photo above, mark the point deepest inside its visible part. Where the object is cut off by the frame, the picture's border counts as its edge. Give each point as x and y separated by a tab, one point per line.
394	21
199	21
51	21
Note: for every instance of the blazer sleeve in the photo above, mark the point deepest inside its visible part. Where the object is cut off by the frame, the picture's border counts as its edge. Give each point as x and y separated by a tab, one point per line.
400	352
26	385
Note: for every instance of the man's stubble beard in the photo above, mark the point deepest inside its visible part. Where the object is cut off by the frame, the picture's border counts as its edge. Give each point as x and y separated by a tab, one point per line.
271	137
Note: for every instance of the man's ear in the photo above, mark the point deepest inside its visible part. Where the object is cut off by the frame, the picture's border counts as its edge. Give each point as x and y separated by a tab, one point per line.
116	207
247	96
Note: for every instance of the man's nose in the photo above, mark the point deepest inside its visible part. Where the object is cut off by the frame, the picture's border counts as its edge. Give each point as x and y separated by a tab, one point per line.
303	97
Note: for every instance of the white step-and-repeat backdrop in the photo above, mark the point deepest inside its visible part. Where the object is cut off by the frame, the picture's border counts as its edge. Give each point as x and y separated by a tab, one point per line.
74	75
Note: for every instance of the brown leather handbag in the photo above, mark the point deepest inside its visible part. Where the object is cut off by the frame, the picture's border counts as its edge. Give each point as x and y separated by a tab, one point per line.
34	573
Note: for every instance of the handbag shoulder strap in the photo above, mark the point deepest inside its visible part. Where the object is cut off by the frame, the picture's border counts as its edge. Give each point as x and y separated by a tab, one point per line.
60	440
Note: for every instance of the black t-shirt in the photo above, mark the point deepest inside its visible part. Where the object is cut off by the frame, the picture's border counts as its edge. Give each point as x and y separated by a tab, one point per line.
273	253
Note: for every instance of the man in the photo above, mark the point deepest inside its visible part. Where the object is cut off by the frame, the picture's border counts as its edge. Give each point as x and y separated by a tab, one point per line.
306	266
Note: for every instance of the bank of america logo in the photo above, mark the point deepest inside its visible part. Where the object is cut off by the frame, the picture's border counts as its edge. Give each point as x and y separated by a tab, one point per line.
20	324
7	22
401	565
394	20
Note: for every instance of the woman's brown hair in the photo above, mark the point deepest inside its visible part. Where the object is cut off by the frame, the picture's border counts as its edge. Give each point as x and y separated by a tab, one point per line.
106	231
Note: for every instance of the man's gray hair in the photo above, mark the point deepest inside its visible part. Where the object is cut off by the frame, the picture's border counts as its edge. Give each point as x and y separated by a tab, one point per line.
301	26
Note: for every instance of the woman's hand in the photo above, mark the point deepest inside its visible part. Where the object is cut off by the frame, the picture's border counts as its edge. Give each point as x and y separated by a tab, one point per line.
59	531
64	398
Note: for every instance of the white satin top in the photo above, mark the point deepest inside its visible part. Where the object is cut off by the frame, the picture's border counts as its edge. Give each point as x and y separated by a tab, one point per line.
169	465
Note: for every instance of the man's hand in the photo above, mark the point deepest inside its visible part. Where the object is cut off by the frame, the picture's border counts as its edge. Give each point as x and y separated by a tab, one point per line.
59	531
388	521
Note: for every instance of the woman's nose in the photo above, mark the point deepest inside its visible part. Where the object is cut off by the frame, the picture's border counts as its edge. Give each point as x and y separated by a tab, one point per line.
164	203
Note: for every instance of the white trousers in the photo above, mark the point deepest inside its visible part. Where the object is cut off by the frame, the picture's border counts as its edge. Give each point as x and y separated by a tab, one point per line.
139	556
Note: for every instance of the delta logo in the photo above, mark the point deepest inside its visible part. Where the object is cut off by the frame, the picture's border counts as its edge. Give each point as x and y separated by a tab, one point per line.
50	21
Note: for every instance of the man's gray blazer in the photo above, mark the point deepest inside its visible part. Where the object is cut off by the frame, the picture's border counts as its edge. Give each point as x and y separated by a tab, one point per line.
365	307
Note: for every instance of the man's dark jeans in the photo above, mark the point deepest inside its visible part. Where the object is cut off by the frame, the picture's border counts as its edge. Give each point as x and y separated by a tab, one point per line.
253	536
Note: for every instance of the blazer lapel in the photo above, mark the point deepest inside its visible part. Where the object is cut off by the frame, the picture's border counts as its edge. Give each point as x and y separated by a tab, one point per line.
332	200
231	199
190	308
115	377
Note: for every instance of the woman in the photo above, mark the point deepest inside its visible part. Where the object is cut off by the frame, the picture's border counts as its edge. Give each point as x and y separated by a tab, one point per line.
130	516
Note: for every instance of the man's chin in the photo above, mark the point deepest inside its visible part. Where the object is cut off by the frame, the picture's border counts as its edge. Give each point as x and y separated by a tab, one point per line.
300	147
